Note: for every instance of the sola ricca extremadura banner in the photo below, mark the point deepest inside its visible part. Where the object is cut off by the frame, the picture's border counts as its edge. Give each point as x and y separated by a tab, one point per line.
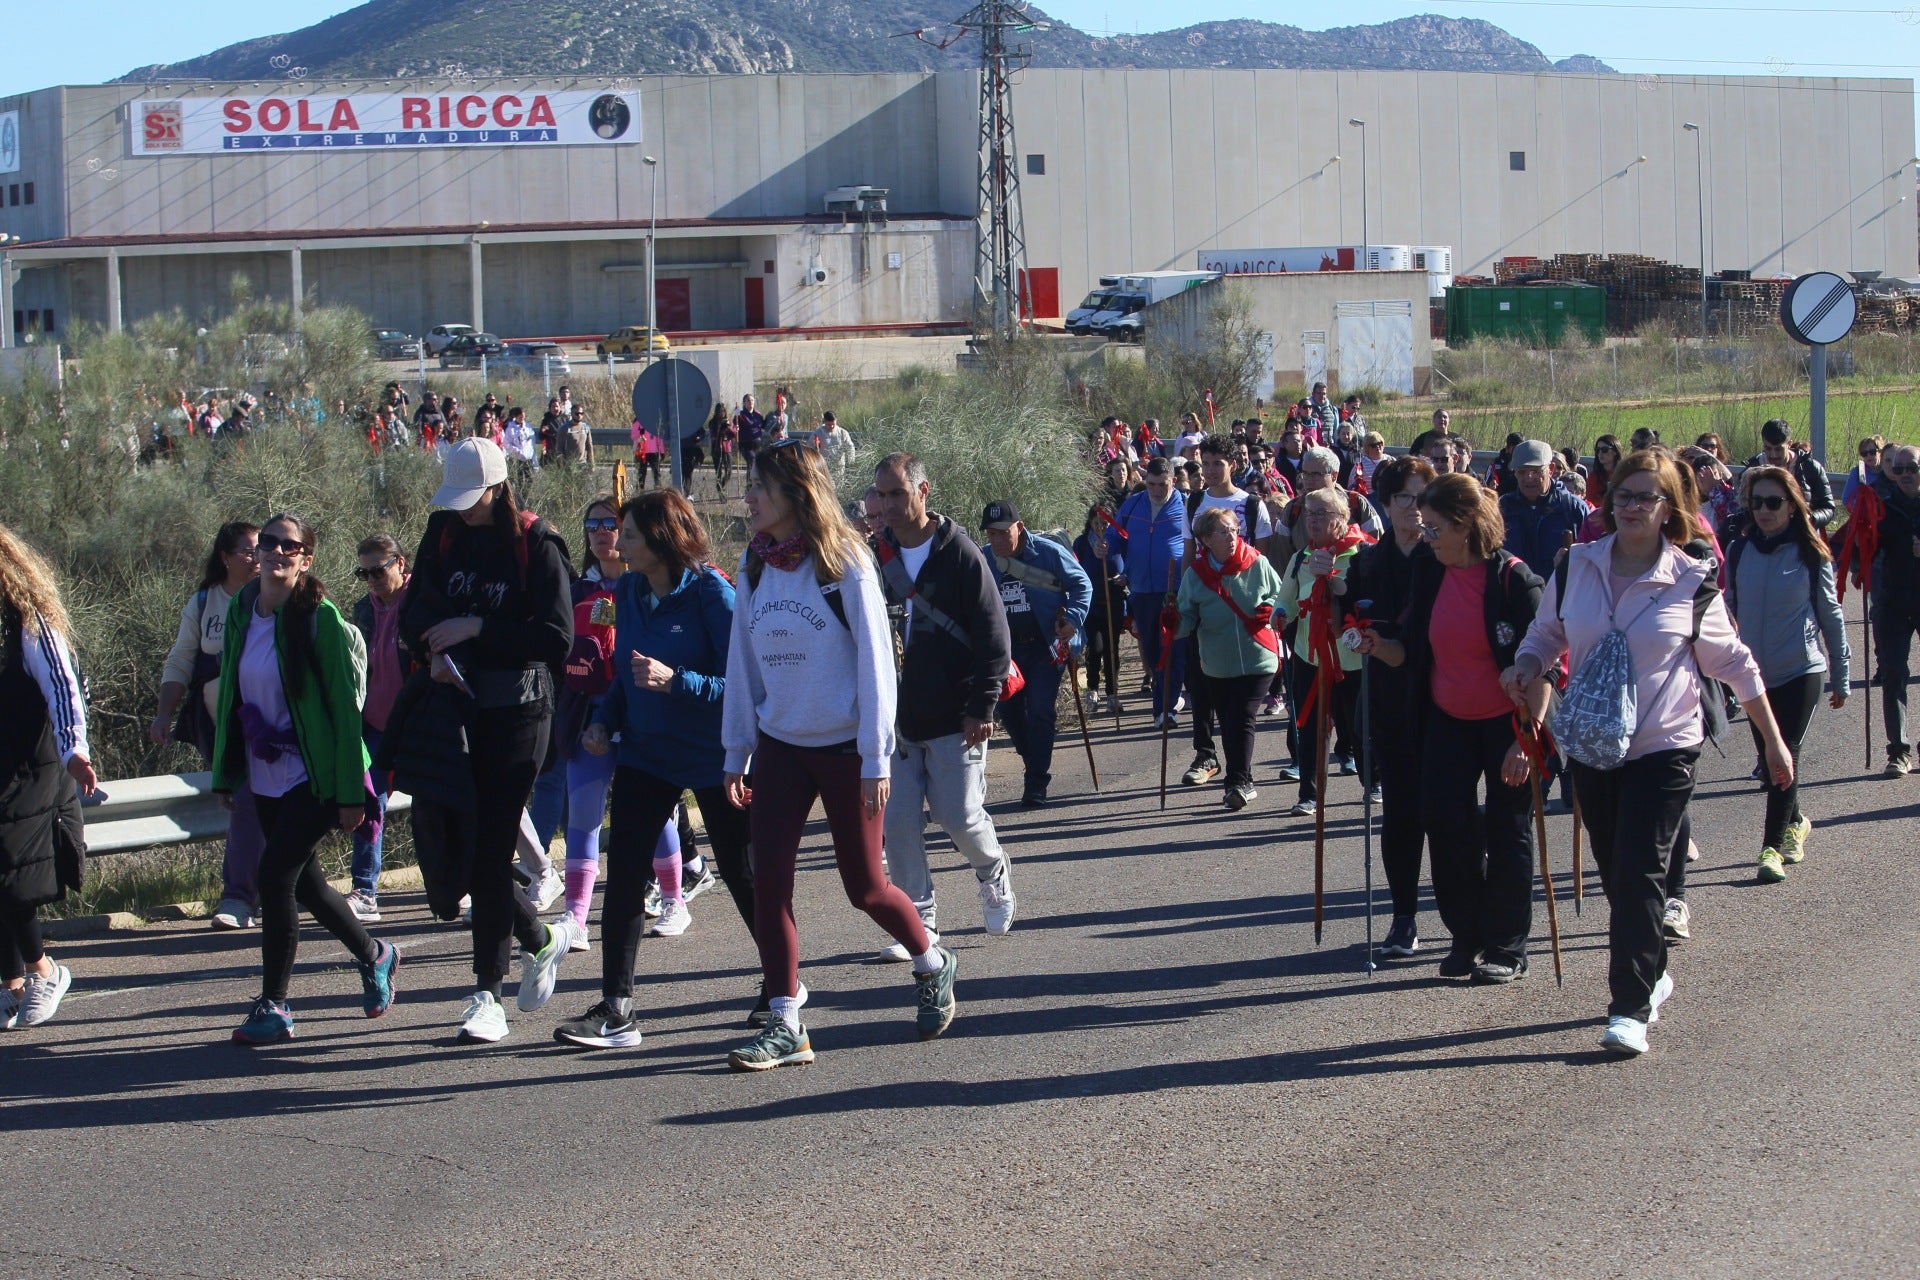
283	122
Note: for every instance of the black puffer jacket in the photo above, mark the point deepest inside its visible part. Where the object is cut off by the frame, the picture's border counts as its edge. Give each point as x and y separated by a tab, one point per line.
42	841
425	747
945	679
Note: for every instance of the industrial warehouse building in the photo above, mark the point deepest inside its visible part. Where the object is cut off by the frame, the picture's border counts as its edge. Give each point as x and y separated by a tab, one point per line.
523	206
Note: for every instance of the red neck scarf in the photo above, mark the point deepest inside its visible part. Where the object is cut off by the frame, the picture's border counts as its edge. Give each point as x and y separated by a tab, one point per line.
781	555
1317	611
1259	623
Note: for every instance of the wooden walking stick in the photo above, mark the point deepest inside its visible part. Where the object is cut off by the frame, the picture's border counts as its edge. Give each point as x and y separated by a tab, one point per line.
1866	645
1079	707
1323	694
1536	767
1166	667
1579	877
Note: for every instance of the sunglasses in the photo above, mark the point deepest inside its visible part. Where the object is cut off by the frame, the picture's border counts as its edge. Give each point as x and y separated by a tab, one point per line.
601	524
791	442
1904	469
1772	502
268	544
363	573
1628	500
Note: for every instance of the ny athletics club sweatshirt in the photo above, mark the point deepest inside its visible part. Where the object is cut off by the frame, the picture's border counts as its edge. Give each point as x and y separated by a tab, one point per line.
796	674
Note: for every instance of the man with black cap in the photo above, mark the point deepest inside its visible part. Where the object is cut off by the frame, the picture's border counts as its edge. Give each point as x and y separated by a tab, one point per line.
1539	514
953	663
1046	595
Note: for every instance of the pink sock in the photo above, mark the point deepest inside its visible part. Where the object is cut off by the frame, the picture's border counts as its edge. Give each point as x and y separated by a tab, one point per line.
580	878
666	861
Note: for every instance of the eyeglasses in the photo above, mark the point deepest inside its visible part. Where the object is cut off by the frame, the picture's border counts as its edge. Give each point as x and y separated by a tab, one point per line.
268	545
363	573
1403	500
601	524
1772	502
1869	453
1903	469
1632	500
245	553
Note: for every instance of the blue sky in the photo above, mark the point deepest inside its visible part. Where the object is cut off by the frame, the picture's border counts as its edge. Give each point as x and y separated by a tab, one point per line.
1781	37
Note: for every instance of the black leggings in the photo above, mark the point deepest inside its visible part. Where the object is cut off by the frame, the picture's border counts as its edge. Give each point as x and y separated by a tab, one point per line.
20	945
290	874
1633	814
505	748
641	804
1340	718
1482	864
1396	764
1103	663
1793	704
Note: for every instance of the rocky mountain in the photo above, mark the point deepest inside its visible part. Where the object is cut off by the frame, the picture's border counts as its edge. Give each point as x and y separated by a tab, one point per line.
419	38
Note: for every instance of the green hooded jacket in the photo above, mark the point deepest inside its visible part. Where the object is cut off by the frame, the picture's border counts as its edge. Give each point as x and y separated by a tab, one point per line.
326	711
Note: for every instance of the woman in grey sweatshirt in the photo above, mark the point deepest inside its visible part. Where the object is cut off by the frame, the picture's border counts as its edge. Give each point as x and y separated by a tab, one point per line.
1780	585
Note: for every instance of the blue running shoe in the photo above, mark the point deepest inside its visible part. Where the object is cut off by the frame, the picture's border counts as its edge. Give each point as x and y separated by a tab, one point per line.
376	980
268	1022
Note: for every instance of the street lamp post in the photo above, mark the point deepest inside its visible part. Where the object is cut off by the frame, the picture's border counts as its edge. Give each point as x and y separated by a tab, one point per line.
653	231
1361	125
1700	193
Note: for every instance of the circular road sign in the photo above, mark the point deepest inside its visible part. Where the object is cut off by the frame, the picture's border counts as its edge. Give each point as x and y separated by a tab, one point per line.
1818	309
672	398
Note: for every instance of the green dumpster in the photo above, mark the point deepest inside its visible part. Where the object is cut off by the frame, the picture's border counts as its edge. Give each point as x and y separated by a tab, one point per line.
1539	315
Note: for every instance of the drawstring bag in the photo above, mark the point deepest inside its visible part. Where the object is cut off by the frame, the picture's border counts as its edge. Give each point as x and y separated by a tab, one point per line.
1599	710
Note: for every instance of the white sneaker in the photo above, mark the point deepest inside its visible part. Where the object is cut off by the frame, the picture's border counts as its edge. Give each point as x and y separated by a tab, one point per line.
1180	704
577	939
546	891
40	998
232	914
1625	1036
466	910
482	1018
1676	921
674	919
997	902
9	1008
365	907
897	953
1302	809
539	971
1662	992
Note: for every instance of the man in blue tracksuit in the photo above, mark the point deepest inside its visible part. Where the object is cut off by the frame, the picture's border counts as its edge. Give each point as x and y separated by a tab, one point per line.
1539	514
1046	595
1152	531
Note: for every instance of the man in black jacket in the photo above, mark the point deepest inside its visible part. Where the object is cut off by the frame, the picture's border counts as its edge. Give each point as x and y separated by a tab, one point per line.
1777	450
1896	595
955	656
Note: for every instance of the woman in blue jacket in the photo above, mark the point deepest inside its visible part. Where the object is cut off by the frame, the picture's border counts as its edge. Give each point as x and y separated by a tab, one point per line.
673	618
1781	589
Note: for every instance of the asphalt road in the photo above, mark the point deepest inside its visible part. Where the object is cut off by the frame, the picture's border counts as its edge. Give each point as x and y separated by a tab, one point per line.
1157	1072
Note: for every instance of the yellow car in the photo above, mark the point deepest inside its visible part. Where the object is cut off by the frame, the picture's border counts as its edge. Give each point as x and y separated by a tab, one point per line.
632	340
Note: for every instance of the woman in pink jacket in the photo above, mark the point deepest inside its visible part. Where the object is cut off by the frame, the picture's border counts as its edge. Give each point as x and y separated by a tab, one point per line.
1639	580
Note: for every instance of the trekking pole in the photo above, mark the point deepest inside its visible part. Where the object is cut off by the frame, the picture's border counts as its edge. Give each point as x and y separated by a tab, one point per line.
1366	784
1536	766
1079	708
1323	693
1579	876
1113	643
1166	699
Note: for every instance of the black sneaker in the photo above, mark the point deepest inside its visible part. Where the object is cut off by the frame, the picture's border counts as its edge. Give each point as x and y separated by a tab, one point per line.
1403	938
935	1014
605	1026
1459	963
1499	970
1034	799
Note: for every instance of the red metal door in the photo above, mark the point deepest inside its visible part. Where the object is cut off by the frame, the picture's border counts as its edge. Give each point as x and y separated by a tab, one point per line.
756	302
673	304
1040	292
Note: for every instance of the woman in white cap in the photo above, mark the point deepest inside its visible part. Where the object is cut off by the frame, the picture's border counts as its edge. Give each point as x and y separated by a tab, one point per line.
489	600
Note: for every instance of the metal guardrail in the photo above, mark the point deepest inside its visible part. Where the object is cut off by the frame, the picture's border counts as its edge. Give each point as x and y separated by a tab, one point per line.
133	814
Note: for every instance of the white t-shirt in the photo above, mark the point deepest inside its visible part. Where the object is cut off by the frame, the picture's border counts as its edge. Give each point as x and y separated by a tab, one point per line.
1236	502
915	558
260	688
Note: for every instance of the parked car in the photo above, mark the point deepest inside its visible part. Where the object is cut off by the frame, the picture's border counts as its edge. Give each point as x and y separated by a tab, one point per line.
441	334
392	344
466	349
531	360
631	340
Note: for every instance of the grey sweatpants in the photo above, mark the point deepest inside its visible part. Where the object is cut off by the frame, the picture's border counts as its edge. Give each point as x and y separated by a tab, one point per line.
948	779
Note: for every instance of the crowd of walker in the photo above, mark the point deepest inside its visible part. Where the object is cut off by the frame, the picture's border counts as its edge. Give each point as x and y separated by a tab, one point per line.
1458	641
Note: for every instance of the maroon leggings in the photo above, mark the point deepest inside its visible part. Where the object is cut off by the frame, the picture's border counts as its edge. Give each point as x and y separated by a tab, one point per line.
786	780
